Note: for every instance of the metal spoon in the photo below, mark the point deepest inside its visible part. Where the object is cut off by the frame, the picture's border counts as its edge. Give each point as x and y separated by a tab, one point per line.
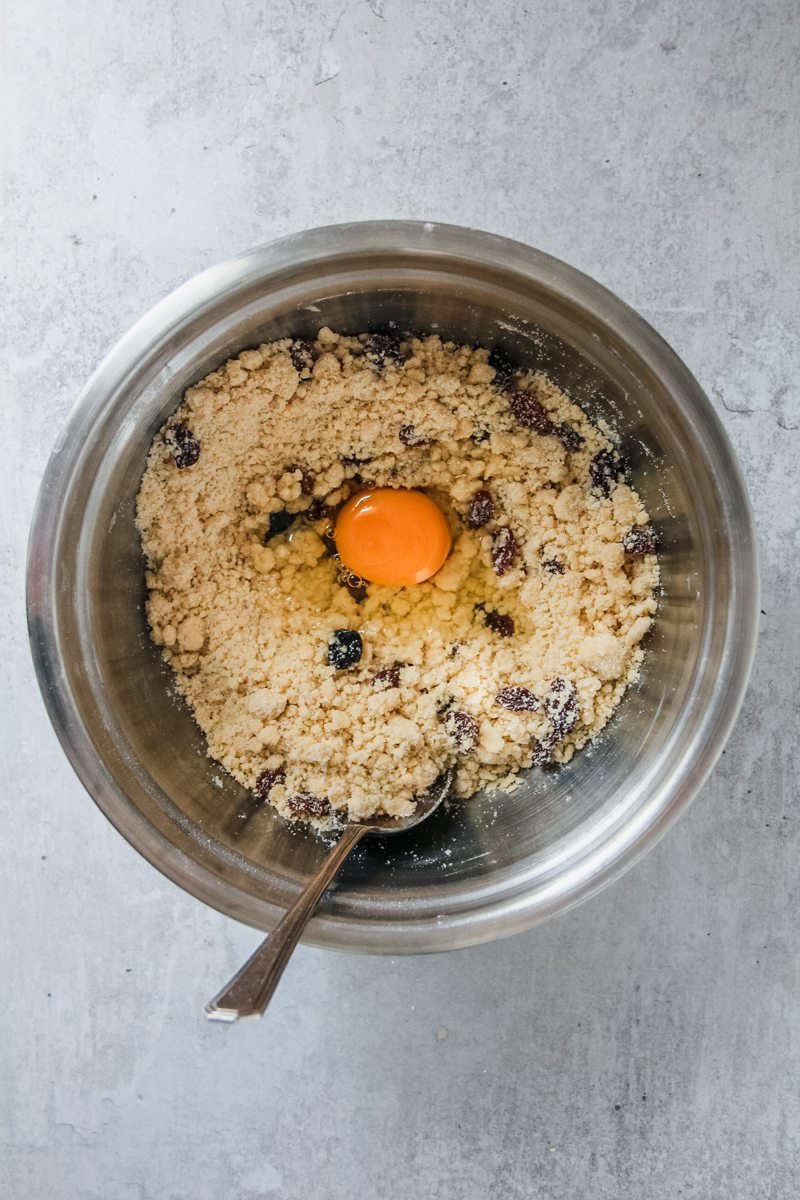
252	987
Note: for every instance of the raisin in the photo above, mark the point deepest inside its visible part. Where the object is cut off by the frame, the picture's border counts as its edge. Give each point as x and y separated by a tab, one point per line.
561	708
279	522
553	566
344	649
517	699
504	550
541	754
570	439
530	413
639	541
463	729
383	348
307	479
184	445
500	623
304	804
318	510
505	373
357	589
388	677
301	353
267	780
605	470
410	436
480	435
481	510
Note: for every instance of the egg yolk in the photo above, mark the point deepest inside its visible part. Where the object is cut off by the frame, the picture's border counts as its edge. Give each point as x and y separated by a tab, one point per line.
392	536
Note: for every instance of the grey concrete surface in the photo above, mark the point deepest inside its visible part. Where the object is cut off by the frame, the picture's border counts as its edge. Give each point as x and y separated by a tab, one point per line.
645	1045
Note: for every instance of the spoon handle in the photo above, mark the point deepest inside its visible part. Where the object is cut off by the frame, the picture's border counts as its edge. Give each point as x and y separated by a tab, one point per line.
251	988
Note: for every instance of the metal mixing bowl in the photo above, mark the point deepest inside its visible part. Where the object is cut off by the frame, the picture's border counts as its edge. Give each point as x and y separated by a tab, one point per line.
500	862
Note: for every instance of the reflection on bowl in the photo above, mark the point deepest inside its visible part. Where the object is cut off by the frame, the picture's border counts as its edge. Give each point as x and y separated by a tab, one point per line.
499	862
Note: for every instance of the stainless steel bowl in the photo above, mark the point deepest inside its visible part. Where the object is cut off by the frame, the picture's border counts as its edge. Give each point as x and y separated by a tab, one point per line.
511	860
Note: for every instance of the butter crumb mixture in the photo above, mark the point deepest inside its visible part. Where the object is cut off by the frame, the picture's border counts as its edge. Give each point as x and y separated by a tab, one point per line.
332	699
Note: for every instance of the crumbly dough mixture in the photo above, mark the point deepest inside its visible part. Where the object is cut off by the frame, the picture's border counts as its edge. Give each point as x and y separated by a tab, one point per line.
513	655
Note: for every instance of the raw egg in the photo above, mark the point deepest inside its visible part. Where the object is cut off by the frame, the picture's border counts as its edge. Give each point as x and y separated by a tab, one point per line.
392	536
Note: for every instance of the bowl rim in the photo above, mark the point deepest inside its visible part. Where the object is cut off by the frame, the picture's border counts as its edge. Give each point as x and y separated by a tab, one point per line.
498	917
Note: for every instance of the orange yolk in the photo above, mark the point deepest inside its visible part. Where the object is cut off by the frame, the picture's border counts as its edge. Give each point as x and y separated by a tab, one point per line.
391	536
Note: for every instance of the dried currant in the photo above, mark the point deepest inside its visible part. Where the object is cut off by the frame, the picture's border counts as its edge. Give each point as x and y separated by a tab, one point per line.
307	478
605	470
530	413
541	754
570	439
504	550
279	522
356	588
480	435
383	348
388	677
318	510
481	510
552	566
410	436
463	729
344	649
301	353
500	623
561	708
184	445
267	780
639	541
517	699
305	804
505	373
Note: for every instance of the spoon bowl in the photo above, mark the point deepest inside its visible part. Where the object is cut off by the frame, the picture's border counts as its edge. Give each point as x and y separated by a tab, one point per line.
427	804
